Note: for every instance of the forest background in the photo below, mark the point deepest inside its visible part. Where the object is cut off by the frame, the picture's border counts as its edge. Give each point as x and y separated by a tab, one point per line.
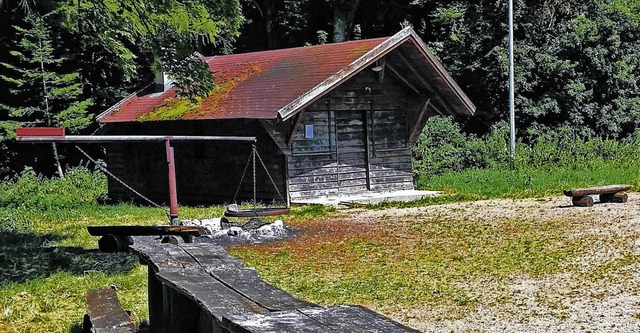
577	64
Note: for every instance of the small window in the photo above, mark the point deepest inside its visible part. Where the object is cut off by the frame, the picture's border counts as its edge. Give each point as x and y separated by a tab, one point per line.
313	135
308	131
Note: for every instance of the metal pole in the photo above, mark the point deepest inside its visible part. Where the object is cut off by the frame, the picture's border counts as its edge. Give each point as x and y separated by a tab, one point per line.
129	138
512	115
173	192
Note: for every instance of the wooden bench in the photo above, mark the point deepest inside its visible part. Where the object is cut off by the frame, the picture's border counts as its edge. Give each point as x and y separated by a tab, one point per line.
611	193
118	238
105	314
200	287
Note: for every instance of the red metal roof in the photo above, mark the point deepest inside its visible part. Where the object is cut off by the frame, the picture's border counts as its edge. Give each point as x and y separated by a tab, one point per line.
251	85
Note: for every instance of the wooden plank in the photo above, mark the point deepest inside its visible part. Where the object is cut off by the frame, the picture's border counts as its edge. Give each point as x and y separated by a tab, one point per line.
391	180
391	172
105	313
213	296
210	256
315	186
164	257
314	194
274	322
354	319
129	230
393	187
401	153
596	190
396	162
248	283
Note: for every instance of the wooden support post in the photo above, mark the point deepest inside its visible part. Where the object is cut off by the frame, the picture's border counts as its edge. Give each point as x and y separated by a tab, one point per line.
294	130
382	63
173	191
583	201
156	299
417	127
367	149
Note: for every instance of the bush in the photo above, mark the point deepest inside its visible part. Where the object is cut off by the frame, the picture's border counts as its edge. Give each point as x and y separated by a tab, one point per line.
79	187
444	148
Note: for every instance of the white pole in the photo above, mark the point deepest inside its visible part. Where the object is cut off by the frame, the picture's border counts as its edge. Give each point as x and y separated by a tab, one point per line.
512	116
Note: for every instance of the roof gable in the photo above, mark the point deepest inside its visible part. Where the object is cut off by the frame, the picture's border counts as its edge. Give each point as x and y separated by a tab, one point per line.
272	84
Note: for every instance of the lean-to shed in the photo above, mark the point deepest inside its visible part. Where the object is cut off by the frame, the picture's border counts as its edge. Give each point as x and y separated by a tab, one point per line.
331	120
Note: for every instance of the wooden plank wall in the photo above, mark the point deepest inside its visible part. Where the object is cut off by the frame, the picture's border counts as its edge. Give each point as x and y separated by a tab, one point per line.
206	172
361	112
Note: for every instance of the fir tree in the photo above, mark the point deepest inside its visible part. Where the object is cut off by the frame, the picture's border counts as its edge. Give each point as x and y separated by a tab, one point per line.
43	95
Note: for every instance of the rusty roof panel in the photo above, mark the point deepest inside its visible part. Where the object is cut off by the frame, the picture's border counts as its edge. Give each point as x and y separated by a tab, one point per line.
250	85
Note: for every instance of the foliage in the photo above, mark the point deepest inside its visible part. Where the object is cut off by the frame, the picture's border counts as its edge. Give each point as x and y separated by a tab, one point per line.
443	147
32	192
46	96
446	159
575	63
128	29
575	60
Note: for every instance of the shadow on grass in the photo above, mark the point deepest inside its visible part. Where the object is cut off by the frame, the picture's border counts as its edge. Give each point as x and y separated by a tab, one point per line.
25	256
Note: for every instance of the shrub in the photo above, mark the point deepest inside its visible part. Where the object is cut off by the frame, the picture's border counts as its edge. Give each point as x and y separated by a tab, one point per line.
444	148
31	191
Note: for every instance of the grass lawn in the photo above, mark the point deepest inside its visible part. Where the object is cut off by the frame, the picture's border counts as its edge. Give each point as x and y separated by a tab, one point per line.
399	262
48	260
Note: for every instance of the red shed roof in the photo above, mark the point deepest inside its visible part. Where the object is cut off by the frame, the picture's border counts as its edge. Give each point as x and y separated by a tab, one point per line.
264	85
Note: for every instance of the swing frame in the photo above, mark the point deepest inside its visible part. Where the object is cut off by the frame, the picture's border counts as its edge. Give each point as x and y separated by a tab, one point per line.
256	211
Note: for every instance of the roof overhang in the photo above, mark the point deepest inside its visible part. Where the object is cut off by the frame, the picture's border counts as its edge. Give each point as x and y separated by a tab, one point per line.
375	54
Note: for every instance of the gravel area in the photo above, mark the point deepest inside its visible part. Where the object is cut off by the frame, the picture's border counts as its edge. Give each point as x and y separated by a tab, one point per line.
564	302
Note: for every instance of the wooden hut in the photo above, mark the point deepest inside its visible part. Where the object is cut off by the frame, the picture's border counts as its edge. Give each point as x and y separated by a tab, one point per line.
331	120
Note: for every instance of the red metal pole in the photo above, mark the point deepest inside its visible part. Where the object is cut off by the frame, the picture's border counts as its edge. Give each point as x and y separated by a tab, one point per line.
173	192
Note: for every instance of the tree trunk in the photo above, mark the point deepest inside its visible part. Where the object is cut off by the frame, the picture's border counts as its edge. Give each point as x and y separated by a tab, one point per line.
344	11
267	9
56	156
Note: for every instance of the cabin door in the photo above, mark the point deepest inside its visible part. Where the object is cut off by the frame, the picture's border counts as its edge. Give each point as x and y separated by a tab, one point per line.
352	152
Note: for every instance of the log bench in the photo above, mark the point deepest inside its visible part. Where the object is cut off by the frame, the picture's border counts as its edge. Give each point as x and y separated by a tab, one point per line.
610	193
199	287
118	238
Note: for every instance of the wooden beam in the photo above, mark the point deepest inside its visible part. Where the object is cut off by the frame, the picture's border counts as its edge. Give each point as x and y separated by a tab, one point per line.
437	110
367	149
424	82
294	130
418	125
596	190
402	79
382	63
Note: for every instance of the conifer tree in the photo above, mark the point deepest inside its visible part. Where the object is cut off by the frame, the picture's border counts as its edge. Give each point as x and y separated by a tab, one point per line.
43	96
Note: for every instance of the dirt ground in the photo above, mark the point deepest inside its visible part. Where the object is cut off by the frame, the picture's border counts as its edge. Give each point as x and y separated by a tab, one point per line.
565	302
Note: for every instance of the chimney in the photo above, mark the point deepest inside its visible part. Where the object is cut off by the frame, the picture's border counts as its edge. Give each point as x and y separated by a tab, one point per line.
162	82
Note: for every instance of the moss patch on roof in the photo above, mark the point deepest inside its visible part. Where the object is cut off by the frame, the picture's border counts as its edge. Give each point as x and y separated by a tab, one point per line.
222	90
171	109
181	108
